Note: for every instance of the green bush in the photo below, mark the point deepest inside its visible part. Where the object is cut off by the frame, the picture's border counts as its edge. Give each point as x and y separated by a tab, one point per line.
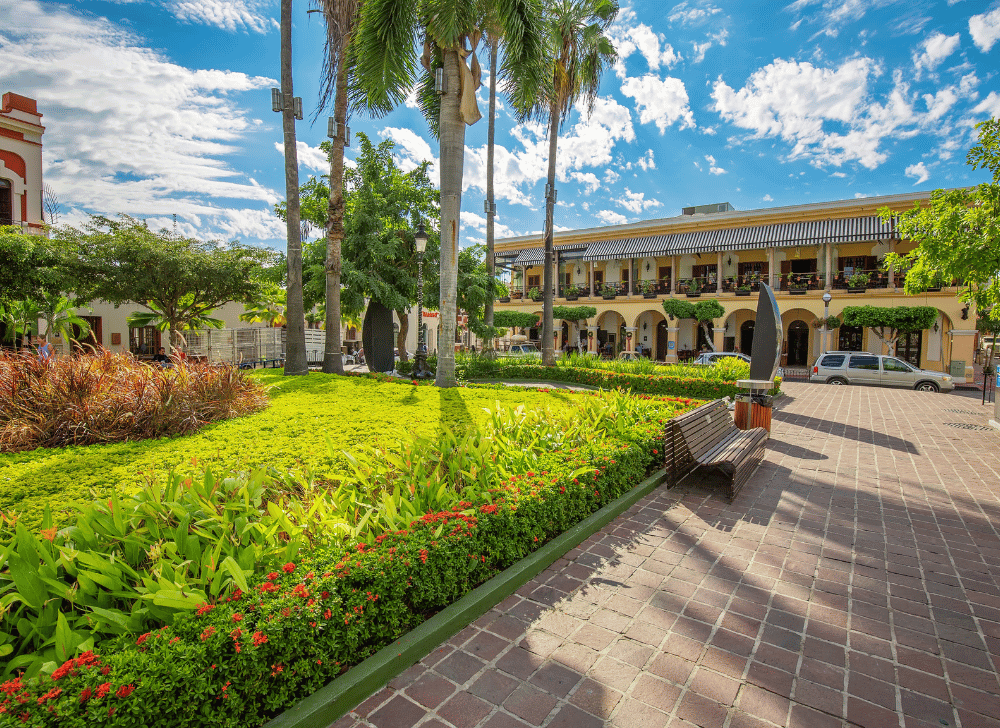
108	397
236	661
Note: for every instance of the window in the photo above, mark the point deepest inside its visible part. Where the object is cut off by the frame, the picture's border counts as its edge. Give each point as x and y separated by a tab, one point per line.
833	360
534	282
864	362
895	365
6	203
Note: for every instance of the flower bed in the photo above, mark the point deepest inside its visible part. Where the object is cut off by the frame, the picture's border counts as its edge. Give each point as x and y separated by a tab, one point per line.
235	661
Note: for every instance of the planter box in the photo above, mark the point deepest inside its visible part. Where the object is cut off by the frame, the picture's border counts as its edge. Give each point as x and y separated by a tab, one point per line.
649	295
856	290
693	295
797	291
934	290
505	299
742	293
610	297
572	297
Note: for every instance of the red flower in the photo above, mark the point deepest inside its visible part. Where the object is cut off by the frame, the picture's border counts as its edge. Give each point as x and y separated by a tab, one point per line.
259	638
124	691
50	695
142	638
489	508
205	609
288	568
237	617
85	695
299	590
103	689
327	614
209	631
423	555
267	587
272	576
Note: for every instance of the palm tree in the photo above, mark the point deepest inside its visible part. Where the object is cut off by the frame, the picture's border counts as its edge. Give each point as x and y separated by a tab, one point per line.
295	354
493	31
385	57
577	53
341	20
61	319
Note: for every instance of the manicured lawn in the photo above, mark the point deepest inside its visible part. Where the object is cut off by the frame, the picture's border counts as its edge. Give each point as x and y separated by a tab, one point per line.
290	433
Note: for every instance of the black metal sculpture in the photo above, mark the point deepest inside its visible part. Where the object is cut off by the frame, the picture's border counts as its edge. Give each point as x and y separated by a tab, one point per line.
377	337
768	335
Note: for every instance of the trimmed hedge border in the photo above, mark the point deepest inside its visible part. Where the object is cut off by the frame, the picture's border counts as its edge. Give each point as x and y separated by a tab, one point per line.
337	698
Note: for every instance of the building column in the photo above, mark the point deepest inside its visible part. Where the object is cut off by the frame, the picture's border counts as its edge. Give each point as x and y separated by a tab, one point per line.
719	338
524	282
892	268
592	338
718	273
592	281
672	337
555	277
630	340
674	276
828	277
770	267
631	276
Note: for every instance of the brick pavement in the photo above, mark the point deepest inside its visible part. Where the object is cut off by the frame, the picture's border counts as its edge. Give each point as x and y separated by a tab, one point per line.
854	582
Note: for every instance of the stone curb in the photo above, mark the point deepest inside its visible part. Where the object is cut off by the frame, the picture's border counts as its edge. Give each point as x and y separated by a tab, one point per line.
335	699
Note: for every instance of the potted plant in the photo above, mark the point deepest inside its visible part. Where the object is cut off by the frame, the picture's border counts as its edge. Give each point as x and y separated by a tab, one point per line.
797	286
858	282
572	292
743	290
534	294
608	292
648	289
505	295
516	295
691	289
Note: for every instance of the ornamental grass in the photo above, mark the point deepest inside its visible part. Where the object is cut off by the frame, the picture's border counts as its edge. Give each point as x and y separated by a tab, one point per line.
108	397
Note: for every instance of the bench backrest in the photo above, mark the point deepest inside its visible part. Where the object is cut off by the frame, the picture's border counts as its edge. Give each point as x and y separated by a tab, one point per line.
694	433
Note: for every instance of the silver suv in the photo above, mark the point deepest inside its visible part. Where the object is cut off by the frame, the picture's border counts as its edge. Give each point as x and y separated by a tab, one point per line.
859	367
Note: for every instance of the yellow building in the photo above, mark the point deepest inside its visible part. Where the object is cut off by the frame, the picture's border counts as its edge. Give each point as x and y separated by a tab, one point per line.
802	251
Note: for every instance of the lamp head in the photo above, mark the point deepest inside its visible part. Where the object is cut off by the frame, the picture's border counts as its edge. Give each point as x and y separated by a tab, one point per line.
420	237
827	298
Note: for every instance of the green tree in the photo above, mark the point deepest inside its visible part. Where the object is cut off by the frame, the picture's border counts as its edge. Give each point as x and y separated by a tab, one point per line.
61	318
341	20
31	266
704	312
577	51
958	234
181	280
888	324
385	54
269	307
476	287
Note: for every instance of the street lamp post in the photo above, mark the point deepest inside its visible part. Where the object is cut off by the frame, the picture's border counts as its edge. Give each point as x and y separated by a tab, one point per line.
826	317
420	369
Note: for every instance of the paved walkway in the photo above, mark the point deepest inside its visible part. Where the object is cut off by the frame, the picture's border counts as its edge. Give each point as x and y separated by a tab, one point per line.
854	582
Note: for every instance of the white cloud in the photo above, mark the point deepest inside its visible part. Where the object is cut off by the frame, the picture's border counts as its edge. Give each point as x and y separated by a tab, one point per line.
309	157
918	171
701	48
629	36
412	150
689	14
799	103
478	223
831	16
610	217
713	168
225	14
661	101
990	105
767	198
985	29
838	174
129	130
646	161
611	176
935	48
589	179
635	202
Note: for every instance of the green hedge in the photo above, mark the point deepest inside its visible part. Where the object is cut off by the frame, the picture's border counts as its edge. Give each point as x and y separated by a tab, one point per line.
238	662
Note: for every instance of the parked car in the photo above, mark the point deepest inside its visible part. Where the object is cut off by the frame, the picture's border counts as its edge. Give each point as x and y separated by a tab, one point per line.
710	357
859	367
521	350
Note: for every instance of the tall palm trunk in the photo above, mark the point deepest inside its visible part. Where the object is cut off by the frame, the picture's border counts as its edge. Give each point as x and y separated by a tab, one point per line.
452	131
490	134
333	362
295	347
548	345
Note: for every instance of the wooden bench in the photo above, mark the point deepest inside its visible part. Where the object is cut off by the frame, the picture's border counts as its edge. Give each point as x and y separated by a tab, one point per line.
707	439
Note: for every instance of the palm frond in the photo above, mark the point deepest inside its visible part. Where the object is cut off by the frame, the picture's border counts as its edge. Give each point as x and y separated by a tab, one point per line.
383	53
341	18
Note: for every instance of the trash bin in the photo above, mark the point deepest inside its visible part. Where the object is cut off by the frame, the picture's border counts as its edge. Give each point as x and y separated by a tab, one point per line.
753	410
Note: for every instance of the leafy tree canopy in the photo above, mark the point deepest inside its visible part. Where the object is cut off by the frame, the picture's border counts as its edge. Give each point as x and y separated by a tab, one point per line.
179	279
703	311
889	323
573	313
515	319
958	234
31	266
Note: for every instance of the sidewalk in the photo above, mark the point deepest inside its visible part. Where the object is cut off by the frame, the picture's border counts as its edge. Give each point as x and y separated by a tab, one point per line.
854	582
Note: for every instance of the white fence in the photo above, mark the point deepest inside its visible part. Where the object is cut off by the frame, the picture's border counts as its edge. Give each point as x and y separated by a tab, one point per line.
236	346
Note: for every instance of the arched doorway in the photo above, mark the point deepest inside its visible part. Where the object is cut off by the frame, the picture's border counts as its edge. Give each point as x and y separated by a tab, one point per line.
704	343
852	338
565	335
662	337
746	337
798	343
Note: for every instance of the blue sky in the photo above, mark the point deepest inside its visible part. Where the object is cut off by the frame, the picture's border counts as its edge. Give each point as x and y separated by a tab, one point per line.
162	107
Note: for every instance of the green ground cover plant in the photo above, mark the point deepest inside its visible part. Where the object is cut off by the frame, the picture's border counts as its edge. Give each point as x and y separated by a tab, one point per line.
304	413
109	397
410	527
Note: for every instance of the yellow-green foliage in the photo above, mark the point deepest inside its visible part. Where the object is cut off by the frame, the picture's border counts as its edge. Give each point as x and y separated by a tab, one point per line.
288	434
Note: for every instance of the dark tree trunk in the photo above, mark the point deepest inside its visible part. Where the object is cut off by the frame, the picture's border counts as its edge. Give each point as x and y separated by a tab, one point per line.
490	134
548	345
404	329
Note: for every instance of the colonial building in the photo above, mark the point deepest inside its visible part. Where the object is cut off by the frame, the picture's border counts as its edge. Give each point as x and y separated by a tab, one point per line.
20	163
802	251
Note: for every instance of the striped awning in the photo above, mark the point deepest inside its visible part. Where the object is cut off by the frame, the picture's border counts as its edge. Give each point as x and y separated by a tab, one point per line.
782	235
